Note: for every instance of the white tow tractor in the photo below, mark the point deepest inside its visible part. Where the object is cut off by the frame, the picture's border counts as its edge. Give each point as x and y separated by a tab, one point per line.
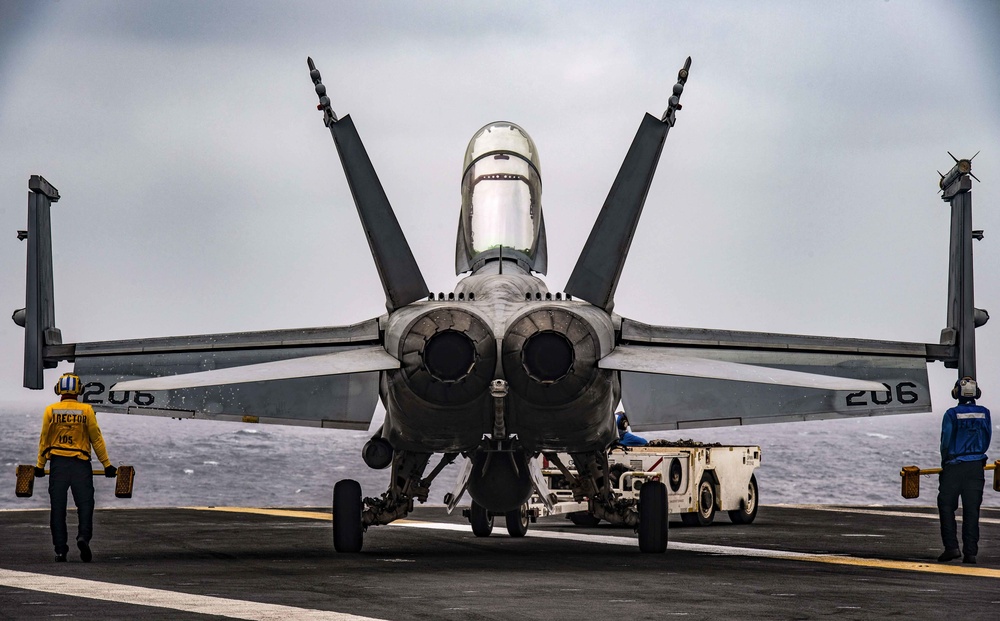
701	479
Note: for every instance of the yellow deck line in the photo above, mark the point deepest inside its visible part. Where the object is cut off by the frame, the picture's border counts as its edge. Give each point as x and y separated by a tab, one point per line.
312	515
885	512
875	563
934	568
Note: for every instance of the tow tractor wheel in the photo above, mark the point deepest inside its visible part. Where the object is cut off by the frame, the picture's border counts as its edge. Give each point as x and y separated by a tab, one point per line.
653	517
747	512
706	501
482	521
517	521
348	533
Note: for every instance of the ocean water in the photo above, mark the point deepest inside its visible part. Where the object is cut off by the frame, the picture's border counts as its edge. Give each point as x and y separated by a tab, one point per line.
196	463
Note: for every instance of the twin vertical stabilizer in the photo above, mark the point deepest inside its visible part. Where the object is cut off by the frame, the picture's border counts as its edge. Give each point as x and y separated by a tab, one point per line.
595	277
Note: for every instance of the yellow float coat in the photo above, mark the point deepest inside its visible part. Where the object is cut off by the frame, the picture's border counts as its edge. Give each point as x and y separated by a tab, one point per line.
69	428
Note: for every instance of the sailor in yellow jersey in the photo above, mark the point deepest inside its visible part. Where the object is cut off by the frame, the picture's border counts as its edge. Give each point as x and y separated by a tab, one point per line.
69	429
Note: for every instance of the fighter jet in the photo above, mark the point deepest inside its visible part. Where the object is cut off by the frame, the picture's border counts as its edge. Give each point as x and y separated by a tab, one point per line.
495	373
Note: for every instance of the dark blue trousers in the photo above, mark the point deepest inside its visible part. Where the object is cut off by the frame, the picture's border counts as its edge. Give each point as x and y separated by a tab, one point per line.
963	480
70	473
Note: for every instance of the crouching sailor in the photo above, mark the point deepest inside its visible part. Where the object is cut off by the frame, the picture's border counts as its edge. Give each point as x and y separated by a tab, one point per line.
69	429
625	435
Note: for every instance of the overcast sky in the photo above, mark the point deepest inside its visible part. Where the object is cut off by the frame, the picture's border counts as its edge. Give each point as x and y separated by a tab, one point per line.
201	192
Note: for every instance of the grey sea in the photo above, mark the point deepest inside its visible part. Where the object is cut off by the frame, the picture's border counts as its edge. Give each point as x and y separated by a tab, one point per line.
198	463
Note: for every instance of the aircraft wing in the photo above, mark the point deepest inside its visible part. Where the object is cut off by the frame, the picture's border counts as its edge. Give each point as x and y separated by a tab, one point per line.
683	378
345	400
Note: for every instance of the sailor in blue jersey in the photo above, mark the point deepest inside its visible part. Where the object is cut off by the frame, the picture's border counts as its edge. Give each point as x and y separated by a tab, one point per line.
966	432
625	435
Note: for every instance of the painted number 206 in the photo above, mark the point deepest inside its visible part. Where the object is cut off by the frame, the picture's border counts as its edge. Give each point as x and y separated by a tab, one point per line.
94	391
902	392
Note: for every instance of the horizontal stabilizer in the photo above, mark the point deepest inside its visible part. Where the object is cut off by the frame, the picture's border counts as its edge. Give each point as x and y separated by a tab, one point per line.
349	361
660	361
682	378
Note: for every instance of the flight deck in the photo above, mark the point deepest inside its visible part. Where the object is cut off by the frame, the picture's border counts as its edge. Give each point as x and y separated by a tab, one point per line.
793	562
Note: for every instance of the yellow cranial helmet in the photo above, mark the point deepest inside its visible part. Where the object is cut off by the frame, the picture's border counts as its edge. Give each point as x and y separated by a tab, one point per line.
69	384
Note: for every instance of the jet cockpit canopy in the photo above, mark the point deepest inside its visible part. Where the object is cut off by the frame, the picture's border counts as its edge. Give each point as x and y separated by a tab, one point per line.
501	200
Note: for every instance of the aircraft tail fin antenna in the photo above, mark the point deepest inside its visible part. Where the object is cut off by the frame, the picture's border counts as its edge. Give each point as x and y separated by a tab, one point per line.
595	277
38	317
398	270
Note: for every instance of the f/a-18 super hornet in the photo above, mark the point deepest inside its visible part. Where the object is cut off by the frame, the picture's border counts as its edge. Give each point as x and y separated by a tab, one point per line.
497	372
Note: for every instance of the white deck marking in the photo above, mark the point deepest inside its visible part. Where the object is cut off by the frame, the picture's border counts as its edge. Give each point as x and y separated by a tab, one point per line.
160	598
833	559
938	568
929	516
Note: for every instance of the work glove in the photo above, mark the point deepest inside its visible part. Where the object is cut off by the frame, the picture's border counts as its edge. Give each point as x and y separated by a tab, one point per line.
111	472
39	472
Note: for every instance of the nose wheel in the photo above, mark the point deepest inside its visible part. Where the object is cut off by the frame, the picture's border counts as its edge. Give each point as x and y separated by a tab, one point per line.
517	521
481	520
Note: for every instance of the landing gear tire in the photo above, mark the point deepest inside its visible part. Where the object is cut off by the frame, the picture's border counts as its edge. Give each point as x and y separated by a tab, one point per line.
517	521
653	517
348	532
705	514
582	518
481	520
747	512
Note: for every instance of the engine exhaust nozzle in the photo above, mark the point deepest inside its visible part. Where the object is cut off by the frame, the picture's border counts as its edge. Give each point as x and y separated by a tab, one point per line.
550	355
449	355
547	356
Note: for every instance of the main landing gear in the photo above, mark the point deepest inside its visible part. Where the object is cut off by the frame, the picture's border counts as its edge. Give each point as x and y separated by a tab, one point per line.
653	517
348	532
593	480
352	516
